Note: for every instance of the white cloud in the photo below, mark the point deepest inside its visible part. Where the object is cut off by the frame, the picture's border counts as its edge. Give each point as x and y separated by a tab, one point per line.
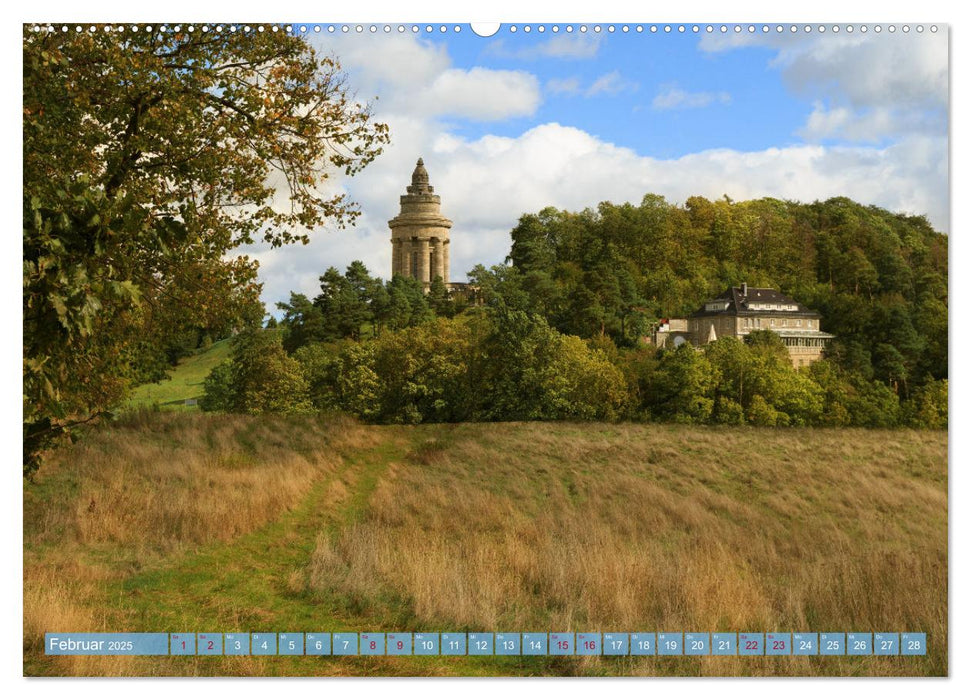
414	77
673	97
869	125
867	86
610	84
563	86
564	46
481	94
380	61
571	46
870	70
487	183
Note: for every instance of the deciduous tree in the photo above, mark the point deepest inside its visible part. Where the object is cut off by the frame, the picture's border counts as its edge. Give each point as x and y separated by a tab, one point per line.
148	153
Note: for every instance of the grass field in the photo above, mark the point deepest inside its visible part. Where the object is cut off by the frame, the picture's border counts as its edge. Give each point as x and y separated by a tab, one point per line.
198	522
184	382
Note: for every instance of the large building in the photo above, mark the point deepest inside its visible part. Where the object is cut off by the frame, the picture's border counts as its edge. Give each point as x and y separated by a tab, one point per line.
419	234
738	311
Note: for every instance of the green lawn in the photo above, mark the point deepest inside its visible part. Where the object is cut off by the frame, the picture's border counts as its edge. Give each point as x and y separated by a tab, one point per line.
184	382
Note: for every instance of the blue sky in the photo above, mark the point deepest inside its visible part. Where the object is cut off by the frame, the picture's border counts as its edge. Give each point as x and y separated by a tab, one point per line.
518	121
739	85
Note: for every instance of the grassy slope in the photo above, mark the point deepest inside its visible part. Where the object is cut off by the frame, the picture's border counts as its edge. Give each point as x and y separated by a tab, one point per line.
173	522
184	382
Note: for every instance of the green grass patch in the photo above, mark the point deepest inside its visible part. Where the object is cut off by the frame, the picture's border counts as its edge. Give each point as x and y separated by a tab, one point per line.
184	382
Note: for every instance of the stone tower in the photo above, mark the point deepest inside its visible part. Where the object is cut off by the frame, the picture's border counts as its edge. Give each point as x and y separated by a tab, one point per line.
419	234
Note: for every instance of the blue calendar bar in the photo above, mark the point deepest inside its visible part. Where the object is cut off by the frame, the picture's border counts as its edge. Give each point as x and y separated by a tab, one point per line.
107	644
453	644
345	644
426	644
670	643
317	643
399	644
724	644
859	643
697	644
481	643
895	644
561	643
778	644
616	644
291	644
805	644
182	644
508	644
913	644
236	644
832	644
263	644
643	644
588	644
372	644
535	644
751	644
209	643
886	643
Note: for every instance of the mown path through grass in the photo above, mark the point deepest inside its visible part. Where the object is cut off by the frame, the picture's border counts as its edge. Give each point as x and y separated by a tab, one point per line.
257	583
244	585
430	528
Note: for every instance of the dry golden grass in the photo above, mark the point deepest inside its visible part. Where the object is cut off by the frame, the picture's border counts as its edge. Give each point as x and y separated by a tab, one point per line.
160	481
556	527
149	489
504	527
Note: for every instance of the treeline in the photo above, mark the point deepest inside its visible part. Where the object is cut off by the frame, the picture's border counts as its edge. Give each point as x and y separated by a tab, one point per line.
356	305
497	364
490	365
879	279
559	332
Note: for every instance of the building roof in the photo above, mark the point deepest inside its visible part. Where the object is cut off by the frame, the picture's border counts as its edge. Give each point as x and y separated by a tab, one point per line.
753	301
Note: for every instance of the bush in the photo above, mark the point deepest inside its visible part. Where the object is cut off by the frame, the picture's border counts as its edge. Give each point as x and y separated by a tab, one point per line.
927	408
218	387
259	378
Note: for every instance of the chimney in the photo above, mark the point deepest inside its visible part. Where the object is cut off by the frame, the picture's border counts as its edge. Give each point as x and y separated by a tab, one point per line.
744	289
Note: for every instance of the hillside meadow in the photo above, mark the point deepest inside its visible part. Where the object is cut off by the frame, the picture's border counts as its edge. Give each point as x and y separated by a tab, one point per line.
210	522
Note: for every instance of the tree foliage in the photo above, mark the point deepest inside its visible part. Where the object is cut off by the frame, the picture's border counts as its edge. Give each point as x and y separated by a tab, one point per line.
879	279
148	156
259	378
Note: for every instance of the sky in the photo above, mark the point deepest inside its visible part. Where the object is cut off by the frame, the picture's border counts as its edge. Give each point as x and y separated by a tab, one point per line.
515	122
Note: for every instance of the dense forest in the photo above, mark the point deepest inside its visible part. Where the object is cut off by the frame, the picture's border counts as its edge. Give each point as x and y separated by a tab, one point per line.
559	330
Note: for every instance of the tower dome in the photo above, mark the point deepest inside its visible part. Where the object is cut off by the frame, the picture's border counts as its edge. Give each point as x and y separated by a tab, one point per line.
419	180
419	234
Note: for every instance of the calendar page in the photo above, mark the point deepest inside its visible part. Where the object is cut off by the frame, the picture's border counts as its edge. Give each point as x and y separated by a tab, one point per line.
493	350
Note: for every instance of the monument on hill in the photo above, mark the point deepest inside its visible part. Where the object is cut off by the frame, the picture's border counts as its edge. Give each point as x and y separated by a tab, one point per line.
419	234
